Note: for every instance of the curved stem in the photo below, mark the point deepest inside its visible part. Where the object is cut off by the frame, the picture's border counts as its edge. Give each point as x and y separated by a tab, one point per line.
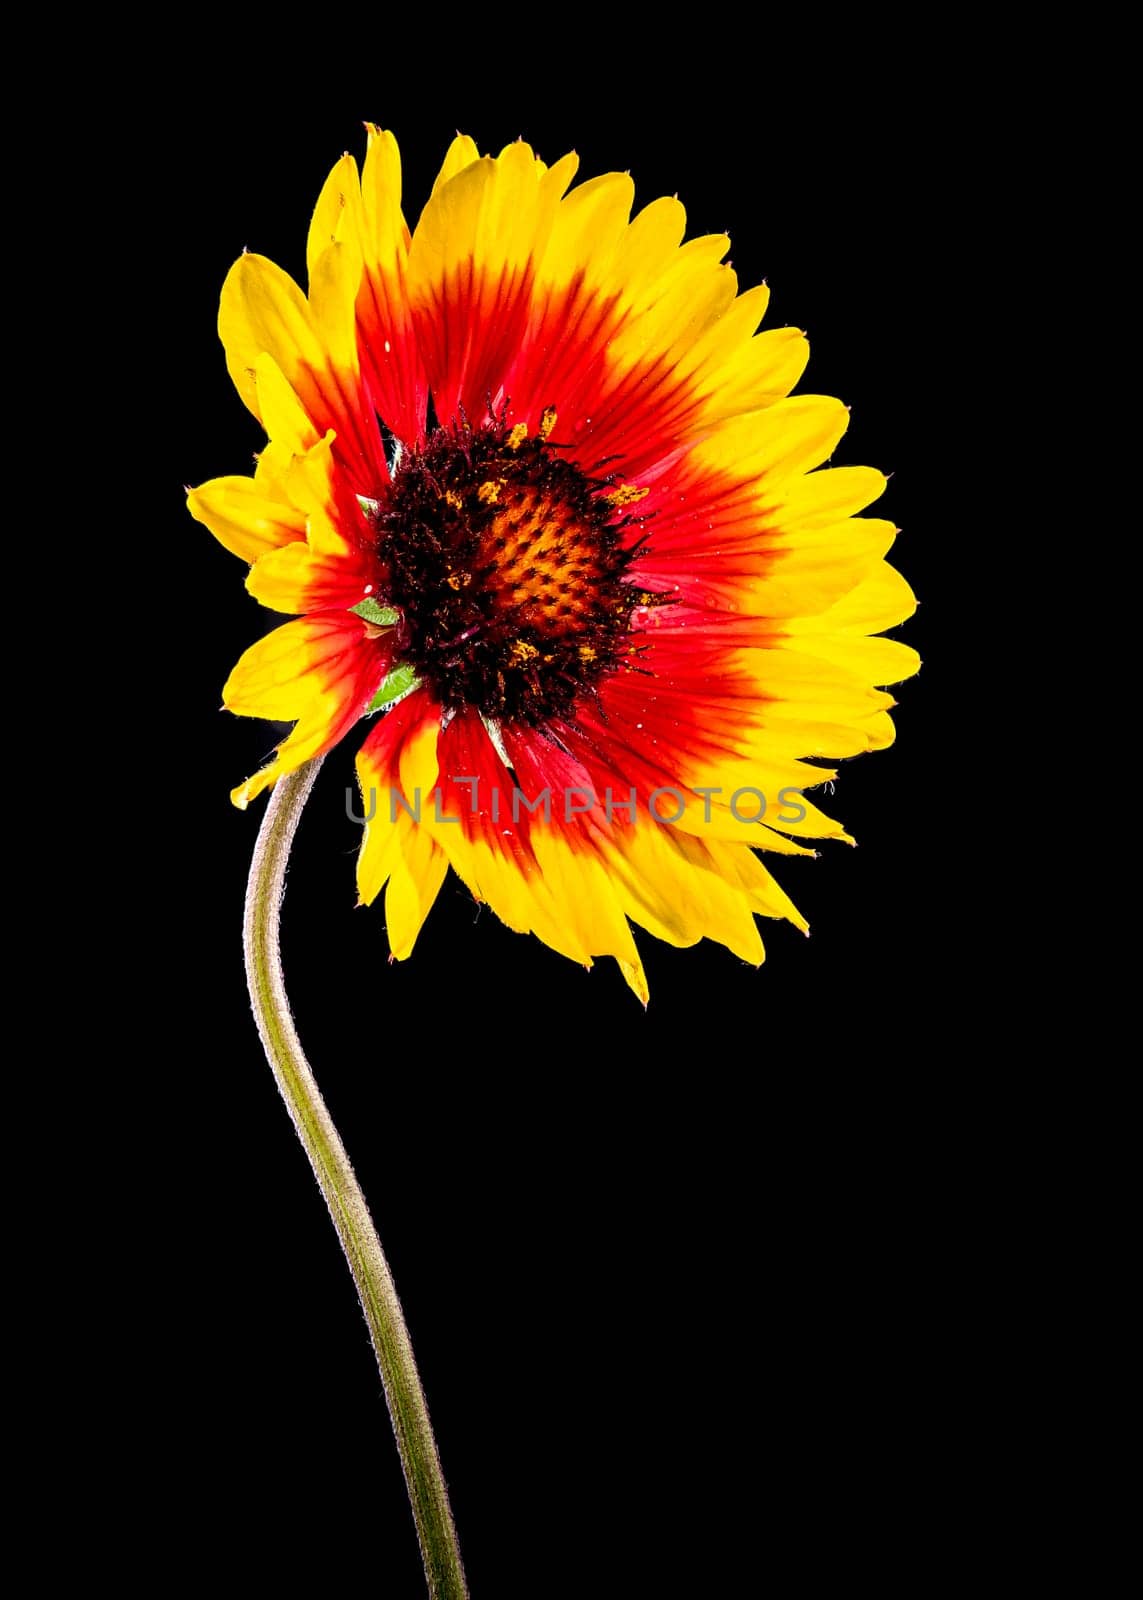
407	1409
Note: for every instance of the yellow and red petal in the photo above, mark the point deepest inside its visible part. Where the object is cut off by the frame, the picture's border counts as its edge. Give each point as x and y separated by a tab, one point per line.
312	343
487	846
320	672
300	579
640	341
538	874
299	526
335	565
741	548
397	854
471	272
391	361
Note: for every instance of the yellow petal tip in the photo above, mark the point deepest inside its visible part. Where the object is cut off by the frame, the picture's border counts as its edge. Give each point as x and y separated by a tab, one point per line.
636	981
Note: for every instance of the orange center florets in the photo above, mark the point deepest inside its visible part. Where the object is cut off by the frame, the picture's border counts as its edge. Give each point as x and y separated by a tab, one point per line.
508	567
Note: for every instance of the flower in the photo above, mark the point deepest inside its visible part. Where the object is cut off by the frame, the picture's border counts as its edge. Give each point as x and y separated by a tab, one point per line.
541	503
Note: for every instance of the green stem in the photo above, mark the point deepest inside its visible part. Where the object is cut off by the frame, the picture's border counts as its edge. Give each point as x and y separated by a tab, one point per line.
435	1530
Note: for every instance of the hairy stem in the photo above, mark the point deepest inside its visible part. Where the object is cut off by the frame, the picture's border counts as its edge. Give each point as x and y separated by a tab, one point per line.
407	1409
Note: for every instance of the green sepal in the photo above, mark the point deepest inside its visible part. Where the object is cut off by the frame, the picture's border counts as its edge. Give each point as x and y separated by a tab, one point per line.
369	611
400	682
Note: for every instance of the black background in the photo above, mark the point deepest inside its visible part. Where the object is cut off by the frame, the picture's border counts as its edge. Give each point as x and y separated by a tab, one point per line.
683	1285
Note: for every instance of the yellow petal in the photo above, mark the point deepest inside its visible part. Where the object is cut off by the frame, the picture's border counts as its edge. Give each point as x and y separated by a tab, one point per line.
244	518
418	872
337	217
263	312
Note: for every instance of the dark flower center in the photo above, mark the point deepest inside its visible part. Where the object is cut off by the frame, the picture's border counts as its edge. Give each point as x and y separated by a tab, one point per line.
508	567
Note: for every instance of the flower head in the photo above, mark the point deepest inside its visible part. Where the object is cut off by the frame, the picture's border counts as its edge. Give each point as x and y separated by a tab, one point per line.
540	501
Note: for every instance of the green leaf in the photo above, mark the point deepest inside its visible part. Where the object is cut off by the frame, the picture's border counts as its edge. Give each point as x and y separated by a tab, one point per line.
399	682
369	611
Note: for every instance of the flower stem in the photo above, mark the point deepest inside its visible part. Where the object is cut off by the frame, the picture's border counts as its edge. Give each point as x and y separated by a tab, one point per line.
440	1551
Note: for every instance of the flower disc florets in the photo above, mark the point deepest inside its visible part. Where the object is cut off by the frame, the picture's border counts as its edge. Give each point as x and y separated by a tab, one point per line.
507	564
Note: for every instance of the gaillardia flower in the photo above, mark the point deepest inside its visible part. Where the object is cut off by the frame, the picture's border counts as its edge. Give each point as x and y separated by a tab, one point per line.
542	506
